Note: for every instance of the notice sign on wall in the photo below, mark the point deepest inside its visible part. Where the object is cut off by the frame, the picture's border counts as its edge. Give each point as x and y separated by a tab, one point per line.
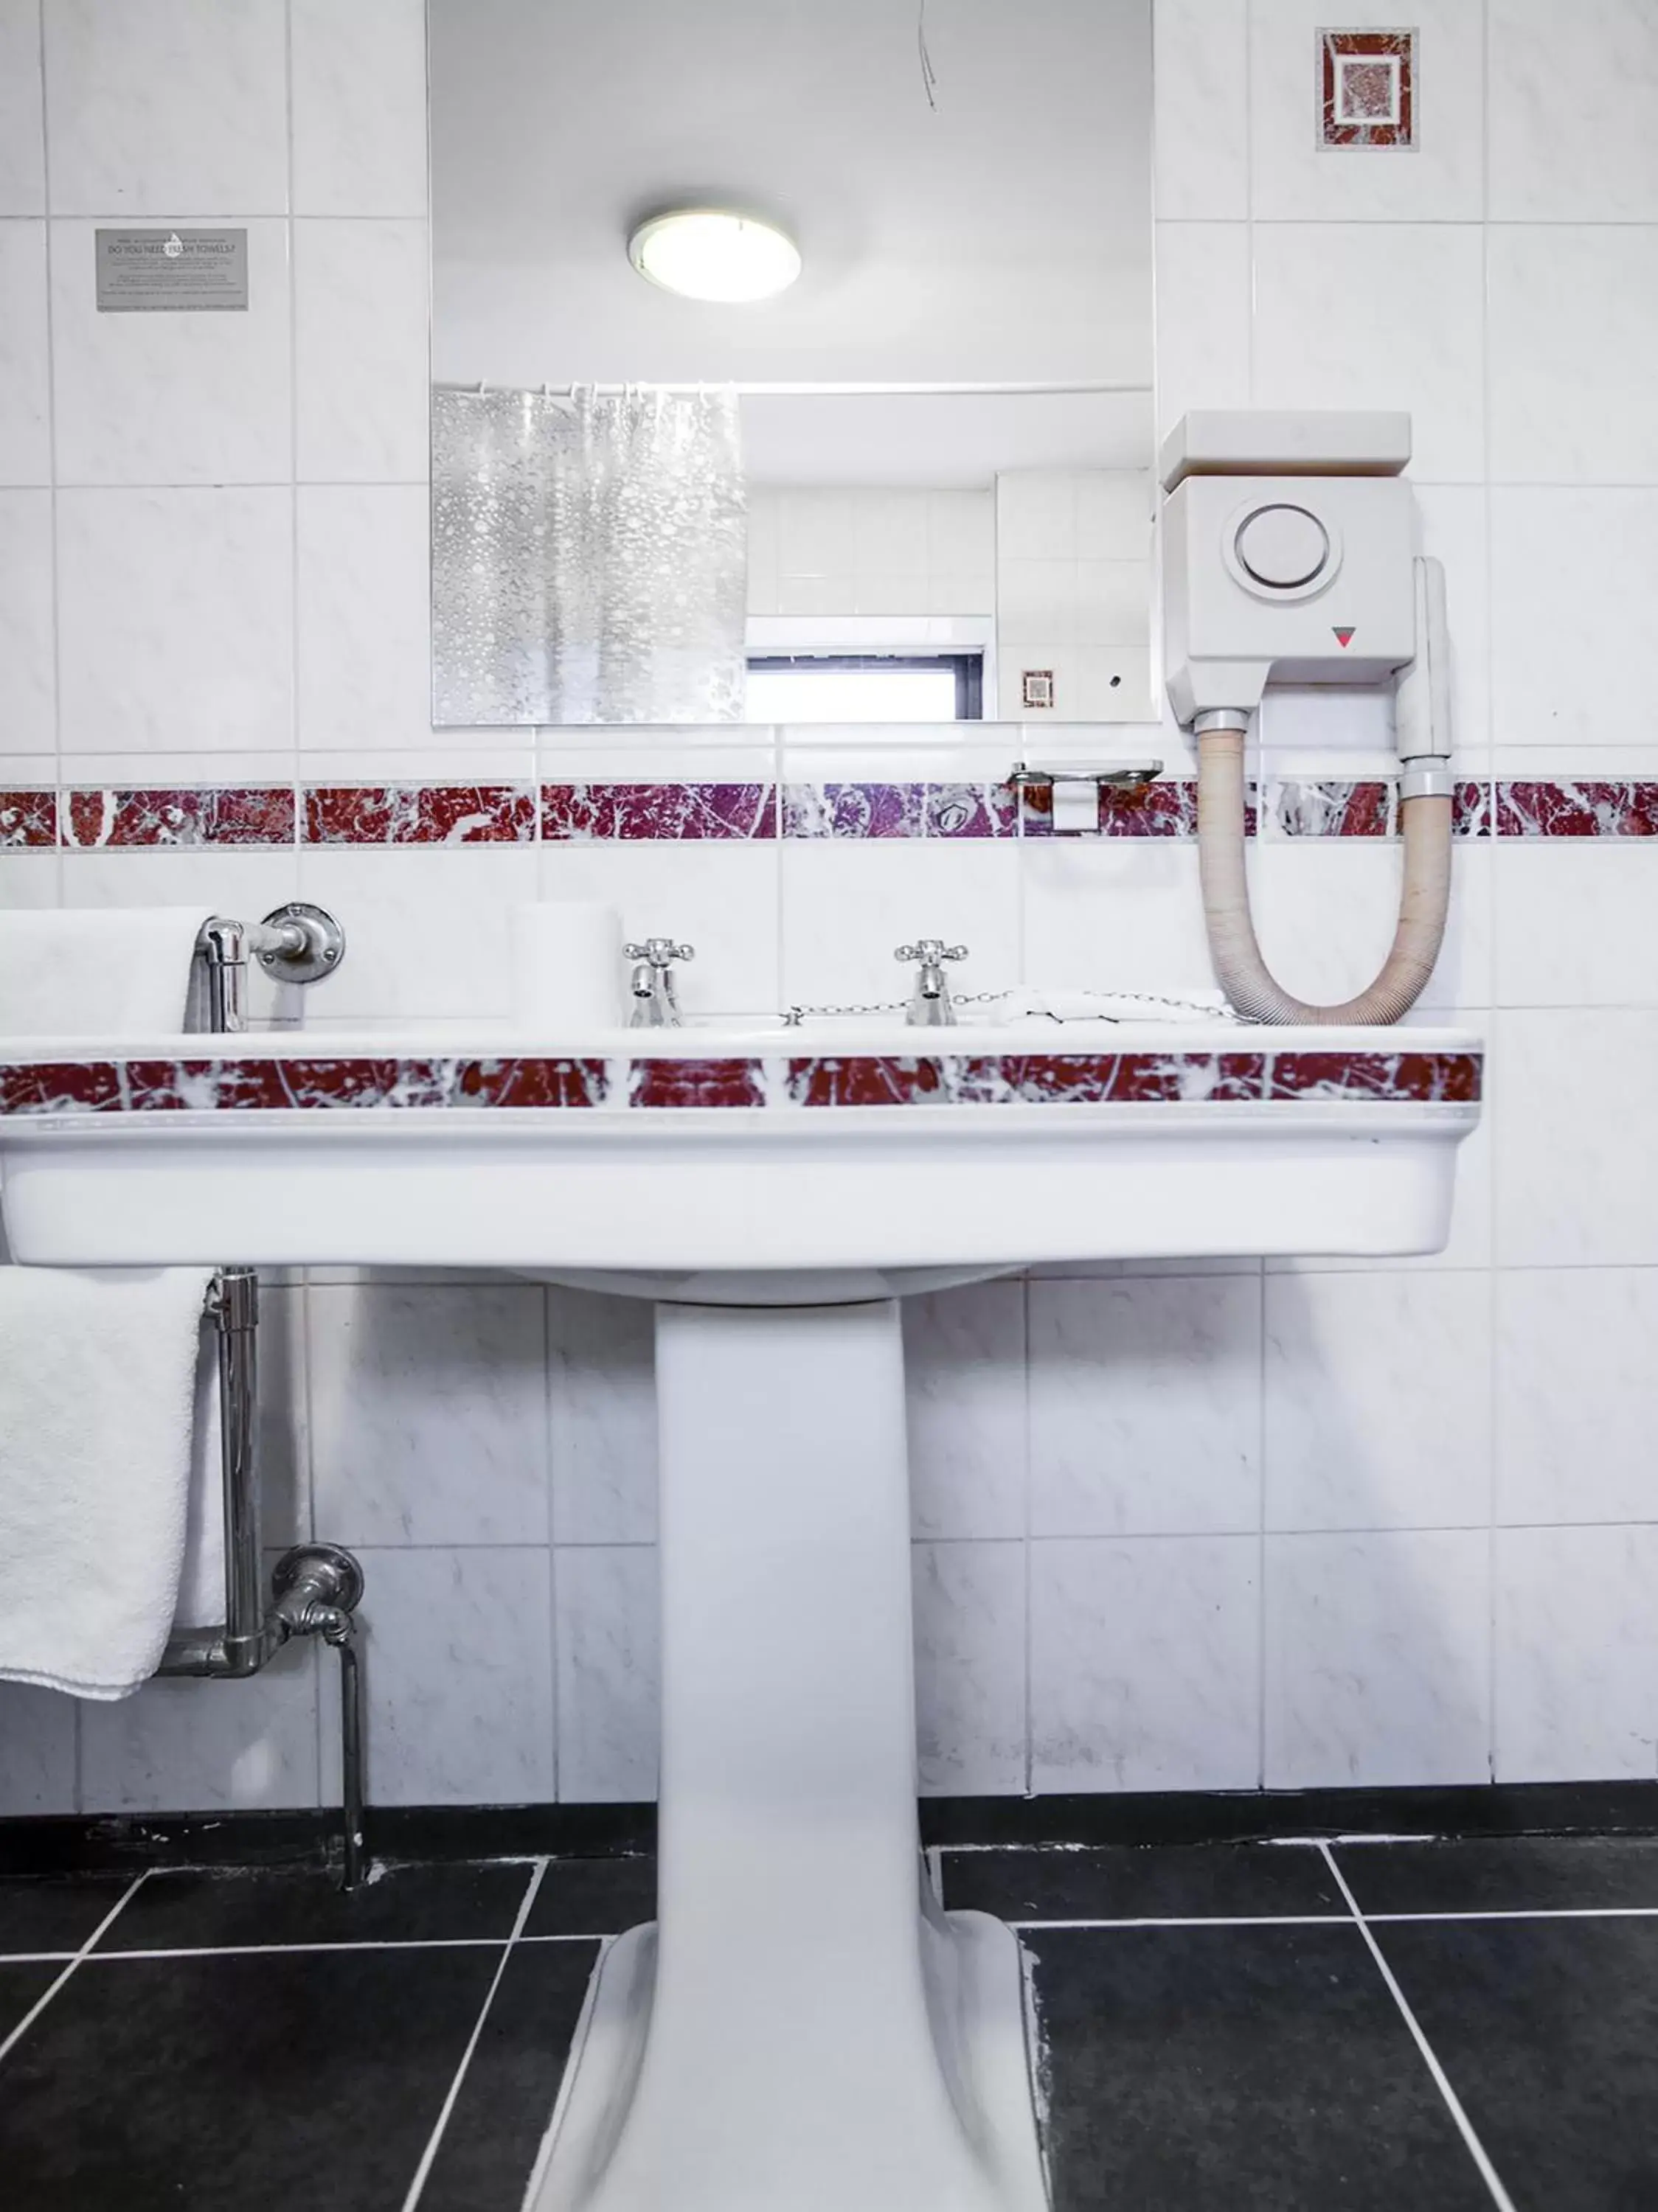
189	271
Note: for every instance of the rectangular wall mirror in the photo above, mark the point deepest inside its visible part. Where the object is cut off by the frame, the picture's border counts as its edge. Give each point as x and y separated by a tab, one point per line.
791	362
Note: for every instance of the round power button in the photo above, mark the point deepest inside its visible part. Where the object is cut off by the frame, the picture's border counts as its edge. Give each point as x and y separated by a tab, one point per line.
1282	546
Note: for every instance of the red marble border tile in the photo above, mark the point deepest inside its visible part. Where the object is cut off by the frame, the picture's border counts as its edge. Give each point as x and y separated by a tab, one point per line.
316	1082
1453	1077
418	814
1167	808
680	1083
1033	1078
1595	807
93	819
603	812
28	821
87	818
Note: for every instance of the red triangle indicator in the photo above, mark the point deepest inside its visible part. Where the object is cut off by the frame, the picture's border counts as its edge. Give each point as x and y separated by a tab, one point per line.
1343	637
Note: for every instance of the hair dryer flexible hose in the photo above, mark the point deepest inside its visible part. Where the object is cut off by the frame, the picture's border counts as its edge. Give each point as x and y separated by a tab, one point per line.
1249	984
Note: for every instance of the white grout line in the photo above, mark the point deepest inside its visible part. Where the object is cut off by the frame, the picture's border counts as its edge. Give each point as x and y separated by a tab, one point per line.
1476	2150
1528	1912
423	2171
1205	1920
43	2001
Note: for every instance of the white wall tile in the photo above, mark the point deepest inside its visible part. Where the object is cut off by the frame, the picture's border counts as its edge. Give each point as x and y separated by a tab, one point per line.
186	1747
719	895
814	532
1378	1400
364	632
28	678
1036	514
1377	1659
1576	1654
1453	528
847	905
1114	512
1574	1180
359	107
1440	180
601	1385
155	104
457	1670
1571	112
1574	922
1325	911
171	399
428	1417
1378	314
175	614
964	1365
1204	304
1574	575
1576	1395
37	1751
1200	135
1114	913
428	930
22	161
1573	318
1145	1406
25	393
970	1668
360	351
1145	1664
609	1674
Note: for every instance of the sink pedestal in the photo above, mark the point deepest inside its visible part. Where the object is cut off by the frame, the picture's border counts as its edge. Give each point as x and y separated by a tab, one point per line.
803	2029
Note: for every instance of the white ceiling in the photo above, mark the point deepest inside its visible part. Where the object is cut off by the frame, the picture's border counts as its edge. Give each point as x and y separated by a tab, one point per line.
1004	236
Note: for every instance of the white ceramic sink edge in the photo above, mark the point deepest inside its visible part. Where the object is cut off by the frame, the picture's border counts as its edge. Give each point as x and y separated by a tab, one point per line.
898	1160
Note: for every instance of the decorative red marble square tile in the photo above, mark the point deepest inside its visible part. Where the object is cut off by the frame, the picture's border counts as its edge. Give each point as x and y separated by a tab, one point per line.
28	819
1367	89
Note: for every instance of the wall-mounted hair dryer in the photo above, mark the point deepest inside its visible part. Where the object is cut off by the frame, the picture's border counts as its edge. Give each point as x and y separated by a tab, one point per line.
1289	552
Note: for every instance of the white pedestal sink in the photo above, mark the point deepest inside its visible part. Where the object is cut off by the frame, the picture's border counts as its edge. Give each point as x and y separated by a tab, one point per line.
802	2030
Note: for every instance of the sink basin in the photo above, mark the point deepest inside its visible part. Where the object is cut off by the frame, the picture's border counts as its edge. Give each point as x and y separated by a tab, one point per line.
803	2028
735	1164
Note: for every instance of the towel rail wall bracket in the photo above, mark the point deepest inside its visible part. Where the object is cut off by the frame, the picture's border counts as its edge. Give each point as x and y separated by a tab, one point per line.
297	943
315	1587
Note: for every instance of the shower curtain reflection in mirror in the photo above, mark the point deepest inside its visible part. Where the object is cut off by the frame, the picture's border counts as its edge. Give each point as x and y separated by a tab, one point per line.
590	557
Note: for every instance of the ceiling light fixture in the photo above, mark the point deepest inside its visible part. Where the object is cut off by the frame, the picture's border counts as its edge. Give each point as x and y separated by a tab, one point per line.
715	254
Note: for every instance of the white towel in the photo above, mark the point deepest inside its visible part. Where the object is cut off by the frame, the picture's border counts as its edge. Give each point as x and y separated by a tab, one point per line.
91	971
98	1379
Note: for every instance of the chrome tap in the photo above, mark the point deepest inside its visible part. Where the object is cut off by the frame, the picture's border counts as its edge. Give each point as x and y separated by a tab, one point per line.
655	1000
929	1005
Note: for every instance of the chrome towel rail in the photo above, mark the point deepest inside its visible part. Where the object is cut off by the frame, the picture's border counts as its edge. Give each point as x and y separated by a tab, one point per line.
315	1587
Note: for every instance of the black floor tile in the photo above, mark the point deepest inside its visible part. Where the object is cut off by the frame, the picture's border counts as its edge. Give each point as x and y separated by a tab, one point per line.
189	1910
1548	2030
593	1897
56	1914
1156	1882
489	2149
20	1984
1238	2070
239	2083
1519	1874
